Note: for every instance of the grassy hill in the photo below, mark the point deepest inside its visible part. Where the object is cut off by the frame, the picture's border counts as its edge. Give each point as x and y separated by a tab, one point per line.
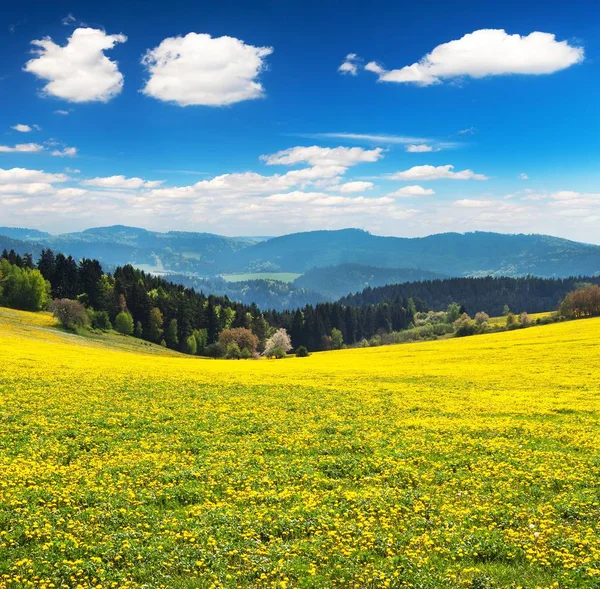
467	462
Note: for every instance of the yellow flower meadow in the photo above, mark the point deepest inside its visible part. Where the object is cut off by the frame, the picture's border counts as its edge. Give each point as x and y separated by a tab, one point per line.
470	463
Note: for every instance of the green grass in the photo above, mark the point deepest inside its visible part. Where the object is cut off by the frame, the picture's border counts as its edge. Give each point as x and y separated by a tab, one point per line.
281	276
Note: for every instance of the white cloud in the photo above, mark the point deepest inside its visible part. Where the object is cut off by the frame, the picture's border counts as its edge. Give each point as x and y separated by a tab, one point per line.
410	191
62	112
436	173
323	156
474	203
31	188
486	52
22	128
374	67
70	192
468	131
121	182
523	176
201	70
22	148
423	148
65	152
26	176
351	187
79	71
350	65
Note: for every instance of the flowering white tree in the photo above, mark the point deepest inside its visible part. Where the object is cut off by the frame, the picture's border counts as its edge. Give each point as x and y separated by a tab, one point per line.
278	344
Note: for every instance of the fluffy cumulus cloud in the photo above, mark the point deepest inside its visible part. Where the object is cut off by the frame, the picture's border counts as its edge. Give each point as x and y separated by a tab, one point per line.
198	69
486	52
65	152
423	148
26	176
323	156
350	65
412	191
523	176
422	173
22	128
350	187
121	182
22	148
79	71
467	203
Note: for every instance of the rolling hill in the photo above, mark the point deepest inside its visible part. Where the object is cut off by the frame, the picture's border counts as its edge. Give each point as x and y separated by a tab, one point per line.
333	263
148	469
338	281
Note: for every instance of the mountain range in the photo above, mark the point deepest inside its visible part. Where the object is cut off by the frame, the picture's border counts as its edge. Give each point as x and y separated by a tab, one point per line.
331	264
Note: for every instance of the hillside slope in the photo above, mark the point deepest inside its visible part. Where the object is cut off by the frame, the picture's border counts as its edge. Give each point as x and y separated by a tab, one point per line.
451	254
327	471
337	281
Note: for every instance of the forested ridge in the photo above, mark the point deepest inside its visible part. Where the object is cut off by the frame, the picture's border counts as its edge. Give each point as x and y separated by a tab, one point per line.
154	309
489	294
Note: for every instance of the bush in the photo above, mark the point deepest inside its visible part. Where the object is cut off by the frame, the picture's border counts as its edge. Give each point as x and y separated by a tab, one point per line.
524	320
99	320
232	351
276	352
278	345
214	351
302	352
242	337
246	354
481	318
584	302
124	323
71	314
511	320
464	326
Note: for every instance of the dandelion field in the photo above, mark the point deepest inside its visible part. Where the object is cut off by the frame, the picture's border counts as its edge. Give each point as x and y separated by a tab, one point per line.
469	462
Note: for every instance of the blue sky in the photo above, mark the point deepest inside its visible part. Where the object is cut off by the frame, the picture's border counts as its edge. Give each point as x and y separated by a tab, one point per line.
177	144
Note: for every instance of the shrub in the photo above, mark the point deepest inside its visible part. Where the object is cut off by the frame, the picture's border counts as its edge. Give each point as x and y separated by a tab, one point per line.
214	351
524	320
124	323
464	326
232	351
302	352
584	302
511	320
100	320
246	354
244	338
278	345
71	314
481	318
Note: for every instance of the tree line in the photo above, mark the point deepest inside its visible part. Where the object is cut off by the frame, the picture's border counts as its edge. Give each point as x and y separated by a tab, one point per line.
490	294
156	310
